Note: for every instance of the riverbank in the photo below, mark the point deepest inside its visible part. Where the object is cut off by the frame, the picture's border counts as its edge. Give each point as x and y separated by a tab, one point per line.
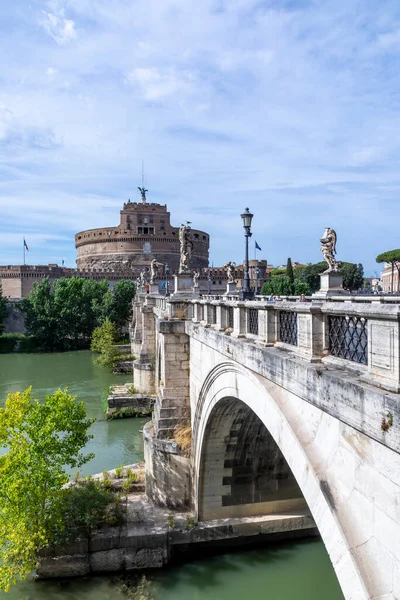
151	536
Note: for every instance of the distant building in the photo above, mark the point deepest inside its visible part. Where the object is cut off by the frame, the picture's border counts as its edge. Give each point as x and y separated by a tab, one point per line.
386	279
144	233
17	280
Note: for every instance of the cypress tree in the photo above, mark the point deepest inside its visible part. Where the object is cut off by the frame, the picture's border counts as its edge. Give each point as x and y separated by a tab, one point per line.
290	274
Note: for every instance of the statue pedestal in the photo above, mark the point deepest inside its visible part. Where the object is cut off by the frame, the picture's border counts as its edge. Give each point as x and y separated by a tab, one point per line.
183	284
331	285
195	292
231	288
154	288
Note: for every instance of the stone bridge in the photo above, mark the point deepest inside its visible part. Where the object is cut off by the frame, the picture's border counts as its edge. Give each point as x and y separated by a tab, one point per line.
293	407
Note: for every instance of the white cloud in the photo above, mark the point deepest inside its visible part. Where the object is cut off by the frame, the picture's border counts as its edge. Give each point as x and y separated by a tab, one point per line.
51	72
55	23
156	84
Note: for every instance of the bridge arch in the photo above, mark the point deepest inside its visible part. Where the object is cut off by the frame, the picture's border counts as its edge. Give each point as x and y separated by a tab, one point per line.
234	399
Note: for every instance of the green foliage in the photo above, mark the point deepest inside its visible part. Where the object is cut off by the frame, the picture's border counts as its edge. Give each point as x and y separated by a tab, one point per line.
300	287
353	276
277	272
190	523
3	309
390	256
17	342
39	441
171	521
103	341
63	316
121	305
278	286
83	507
393	258
119	471
133	477
289	272
310	275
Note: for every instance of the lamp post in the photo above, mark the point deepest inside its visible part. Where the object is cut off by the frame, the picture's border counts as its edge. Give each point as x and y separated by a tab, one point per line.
209	283
246	293
257	274
166	268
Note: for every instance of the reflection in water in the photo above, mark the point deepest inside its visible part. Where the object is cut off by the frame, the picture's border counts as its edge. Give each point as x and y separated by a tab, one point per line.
290	571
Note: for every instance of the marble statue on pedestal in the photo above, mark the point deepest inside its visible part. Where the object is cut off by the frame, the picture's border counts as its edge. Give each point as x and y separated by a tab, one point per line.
154	270
186	247
196	275
230	266
328	249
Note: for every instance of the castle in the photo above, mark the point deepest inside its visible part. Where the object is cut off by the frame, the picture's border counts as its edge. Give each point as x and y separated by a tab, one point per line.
144	232
123	251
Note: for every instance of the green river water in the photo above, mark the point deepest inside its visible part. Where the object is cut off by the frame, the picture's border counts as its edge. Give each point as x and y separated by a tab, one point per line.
298	570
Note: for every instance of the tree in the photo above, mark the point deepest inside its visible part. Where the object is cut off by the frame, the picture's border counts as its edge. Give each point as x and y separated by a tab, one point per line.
121	307
39	440
310	275
103	341
41	318
392	257
353	276
3	309
290	274
63	316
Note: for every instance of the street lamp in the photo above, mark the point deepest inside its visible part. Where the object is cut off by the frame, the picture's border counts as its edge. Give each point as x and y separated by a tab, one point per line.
166	268
246	293
209	282
257	274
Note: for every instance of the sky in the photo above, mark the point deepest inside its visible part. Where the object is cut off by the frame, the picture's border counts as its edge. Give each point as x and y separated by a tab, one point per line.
289	107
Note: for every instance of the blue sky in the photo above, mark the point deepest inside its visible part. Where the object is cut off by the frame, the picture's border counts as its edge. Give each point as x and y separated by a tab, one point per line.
289	107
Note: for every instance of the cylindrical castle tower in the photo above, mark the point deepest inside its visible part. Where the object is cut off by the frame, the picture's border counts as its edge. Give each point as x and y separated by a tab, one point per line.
144	233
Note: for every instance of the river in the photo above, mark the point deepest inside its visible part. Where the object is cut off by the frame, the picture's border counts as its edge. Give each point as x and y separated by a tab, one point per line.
289	571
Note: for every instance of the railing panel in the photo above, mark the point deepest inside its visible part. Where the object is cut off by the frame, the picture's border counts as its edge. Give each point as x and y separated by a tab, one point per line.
229	311
348	338
252	321
288	327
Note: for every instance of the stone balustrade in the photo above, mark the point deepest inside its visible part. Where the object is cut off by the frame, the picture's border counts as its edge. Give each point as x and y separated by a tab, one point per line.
360	332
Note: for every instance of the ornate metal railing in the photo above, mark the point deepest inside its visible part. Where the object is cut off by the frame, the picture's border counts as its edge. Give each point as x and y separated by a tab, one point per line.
230	316
348	338
252	321
288	327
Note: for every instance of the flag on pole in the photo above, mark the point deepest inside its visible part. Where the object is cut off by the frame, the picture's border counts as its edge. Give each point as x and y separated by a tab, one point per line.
62	262
257	246
26	245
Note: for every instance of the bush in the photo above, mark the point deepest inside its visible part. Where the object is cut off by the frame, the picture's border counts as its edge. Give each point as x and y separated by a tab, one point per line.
103	342
84	506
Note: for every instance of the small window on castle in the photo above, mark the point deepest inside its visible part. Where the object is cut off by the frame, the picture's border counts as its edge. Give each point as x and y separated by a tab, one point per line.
140	229
174	233
128	219
151	220
196	235
145	220
140	218
204	237
128	226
